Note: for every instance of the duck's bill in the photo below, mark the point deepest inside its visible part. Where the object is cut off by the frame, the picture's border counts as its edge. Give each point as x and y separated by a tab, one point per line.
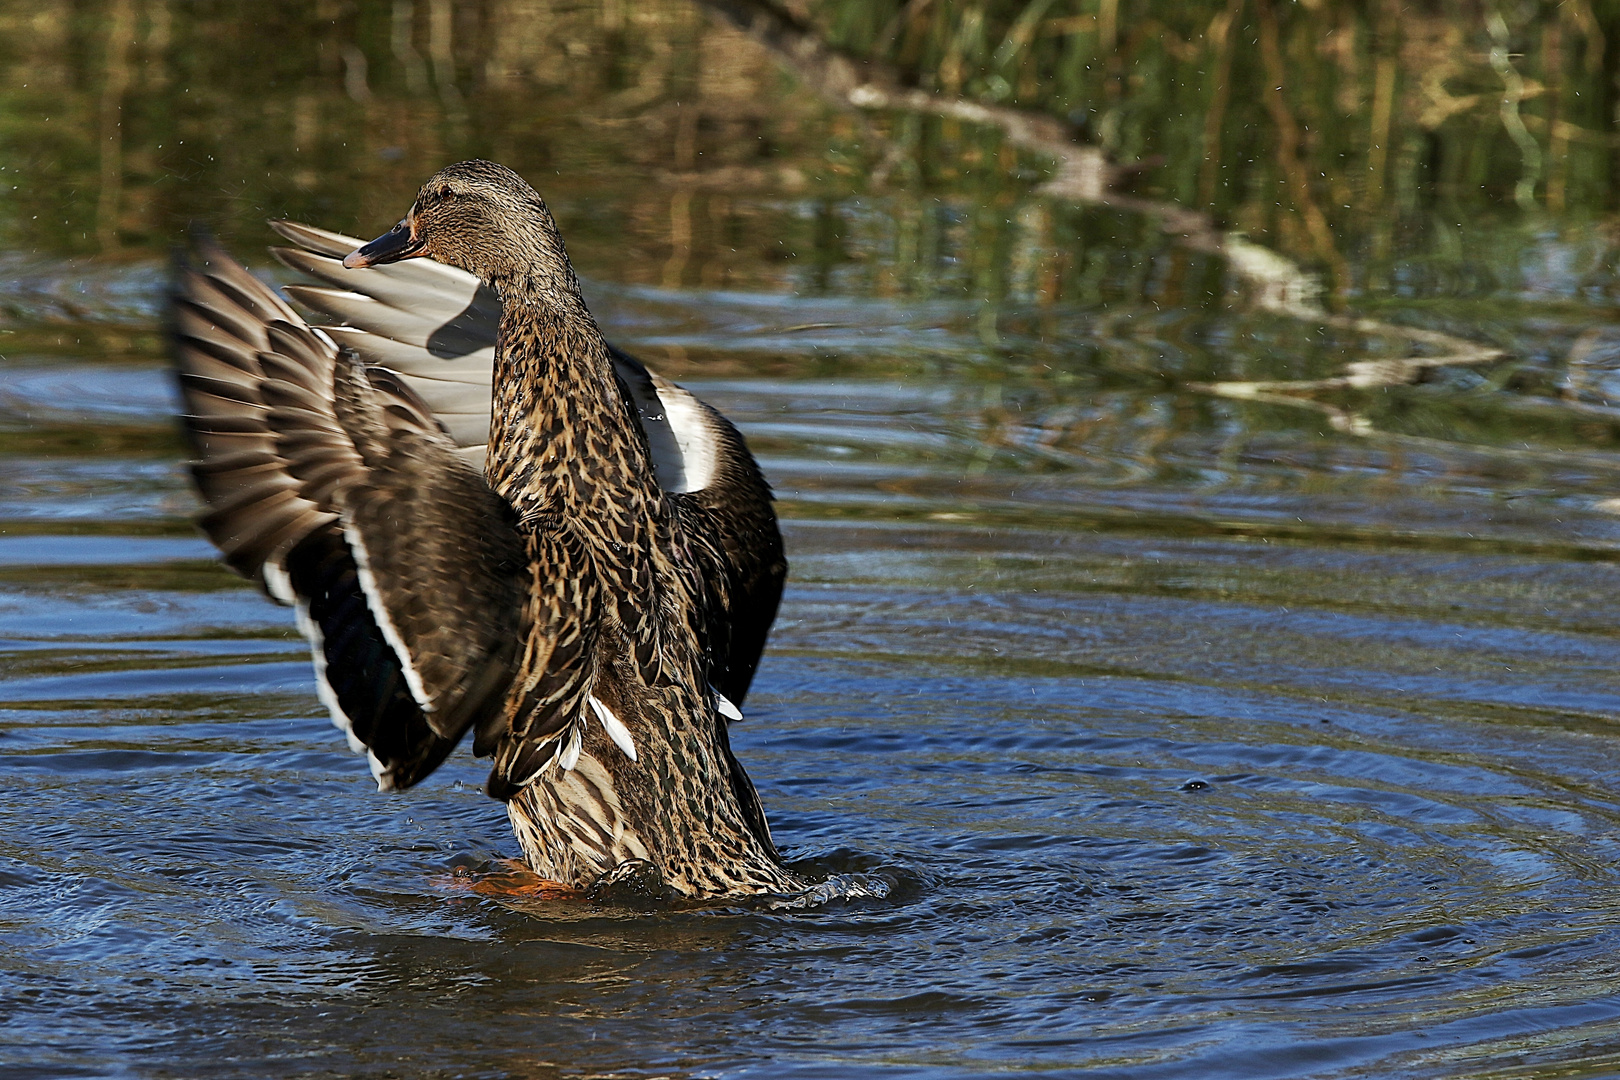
391	246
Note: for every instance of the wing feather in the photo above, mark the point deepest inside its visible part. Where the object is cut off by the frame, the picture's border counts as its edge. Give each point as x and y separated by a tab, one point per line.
337	490
435	326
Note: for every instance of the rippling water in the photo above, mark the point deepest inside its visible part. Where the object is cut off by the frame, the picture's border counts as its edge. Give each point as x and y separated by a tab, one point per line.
1180	735
1193	772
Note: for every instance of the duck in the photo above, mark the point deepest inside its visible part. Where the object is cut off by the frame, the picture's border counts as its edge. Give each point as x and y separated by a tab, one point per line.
487	519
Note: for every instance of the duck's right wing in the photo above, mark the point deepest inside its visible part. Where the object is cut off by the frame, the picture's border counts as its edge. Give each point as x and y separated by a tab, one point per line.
334	486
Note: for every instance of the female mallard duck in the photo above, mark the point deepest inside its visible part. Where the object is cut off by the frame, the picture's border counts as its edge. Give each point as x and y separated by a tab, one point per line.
589	605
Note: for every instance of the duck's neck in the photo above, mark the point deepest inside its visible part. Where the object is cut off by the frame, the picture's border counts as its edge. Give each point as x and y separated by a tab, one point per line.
562	438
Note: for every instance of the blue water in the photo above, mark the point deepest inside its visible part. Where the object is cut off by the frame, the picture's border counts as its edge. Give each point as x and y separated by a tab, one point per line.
1180	774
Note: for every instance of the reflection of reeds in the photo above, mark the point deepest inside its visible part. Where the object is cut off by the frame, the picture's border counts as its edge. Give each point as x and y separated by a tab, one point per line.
316	110
1379	115
1393	109
1220	42
115	82
678	155
1083	176
1289	139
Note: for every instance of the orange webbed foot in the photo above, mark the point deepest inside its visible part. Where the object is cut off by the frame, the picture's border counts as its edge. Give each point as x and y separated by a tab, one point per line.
514	881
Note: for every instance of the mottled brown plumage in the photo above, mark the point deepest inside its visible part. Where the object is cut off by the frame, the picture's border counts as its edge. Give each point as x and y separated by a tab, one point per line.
566	604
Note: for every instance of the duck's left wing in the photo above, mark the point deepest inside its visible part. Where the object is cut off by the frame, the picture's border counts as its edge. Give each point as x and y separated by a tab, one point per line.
737	546
335	488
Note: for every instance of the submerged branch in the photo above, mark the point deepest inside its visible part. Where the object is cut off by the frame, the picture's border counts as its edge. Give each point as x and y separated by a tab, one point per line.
1083	174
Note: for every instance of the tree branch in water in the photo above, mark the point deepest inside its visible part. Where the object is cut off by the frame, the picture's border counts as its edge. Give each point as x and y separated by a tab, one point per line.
1083	174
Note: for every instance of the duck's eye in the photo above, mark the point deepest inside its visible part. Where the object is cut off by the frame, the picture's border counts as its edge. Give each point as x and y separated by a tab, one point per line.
432	200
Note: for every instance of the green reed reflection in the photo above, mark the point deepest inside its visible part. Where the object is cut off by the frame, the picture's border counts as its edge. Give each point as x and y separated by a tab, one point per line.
1448	173
1330	129
1355	138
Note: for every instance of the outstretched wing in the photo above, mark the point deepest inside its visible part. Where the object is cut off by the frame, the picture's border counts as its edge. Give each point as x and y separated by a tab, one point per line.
336	489
435	326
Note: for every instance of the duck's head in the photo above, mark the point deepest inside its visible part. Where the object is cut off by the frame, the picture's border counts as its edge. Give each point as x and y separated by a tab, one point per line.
487	220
